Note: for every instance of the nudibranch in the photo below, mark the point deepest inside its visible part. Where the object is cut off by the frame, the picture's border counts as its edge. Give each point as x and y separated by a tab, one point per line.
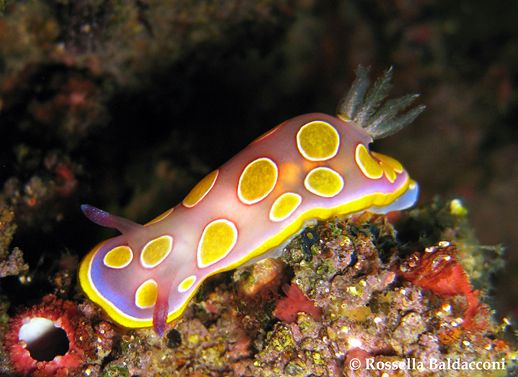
313	166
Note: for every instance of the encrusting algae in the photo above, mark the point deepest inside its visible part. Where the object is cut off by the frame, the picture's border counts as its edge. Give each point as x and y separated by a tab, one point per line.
351	297
346	290
371	314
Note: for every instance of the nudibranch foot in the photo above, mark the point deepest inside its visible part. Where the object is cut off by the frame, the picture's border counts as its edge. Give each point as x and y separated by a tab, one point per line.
361	106
405	201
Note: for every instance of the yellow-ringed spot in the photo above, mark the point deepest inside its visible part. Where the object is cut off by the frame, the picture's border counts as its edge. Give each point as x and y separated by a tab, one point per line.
392	162
257	180
284	206
318	141
217	240
324	182
390	174
369	166
201	189
161	217
156	251
186	284
118	257
146	294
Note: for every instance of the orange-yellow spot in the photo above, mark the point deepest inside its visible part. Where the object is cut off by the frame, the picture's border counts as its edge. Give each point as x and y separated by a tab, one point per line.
369	166
290	172
318	141
217	240
389	172
161	217
324	182
201	189
186	284
118	257
257	181
392	162
146	294
284	206
156	251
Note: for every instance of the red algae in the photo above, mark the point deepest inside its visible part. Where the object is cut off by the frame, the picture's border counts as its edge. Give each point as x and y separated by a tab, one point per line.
366	312
295	302
125	44
438	270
